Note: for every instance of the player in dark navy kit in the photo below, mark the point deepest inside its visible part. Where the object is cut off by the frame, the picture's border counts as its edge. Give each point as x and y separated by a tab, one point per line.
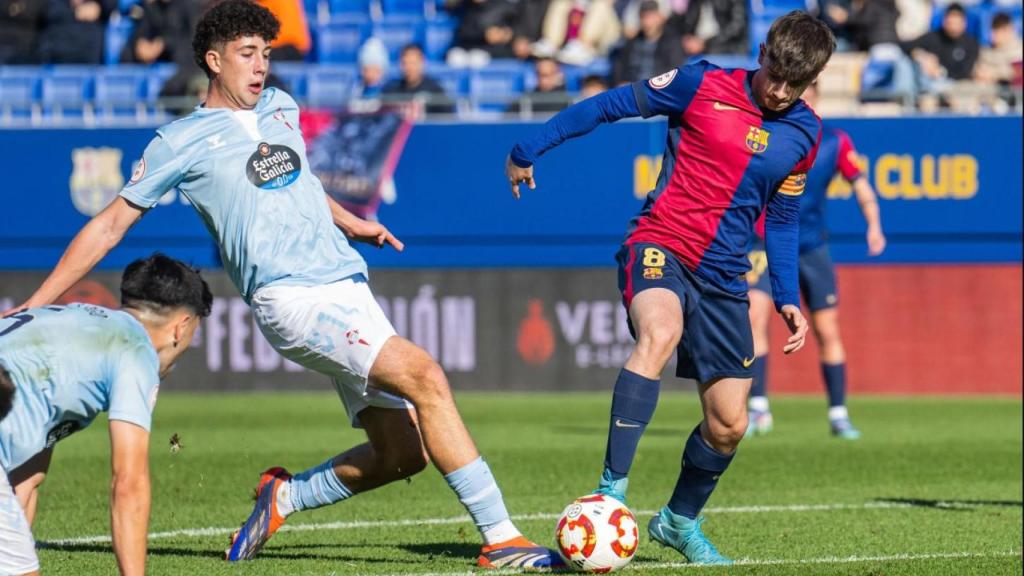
738	141
836	154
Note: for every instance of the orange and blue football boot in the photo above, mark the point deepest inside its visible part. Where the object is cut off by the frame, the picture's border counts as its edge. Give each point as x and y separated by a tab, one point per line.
519	553
264	520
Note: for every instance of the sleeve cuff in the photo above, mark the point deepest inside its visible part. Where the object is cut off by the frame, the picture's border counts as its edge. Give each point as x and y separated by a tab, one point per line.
131	419
519	158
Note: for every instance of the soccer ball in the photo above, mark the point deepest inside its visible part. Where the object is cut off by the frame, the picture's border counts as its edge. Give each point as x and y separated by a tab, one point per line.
597	534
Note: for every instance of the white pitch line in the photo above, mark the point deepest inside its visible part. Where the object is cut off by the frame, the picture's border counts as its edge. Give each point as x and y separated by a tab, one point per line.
348	525
907	557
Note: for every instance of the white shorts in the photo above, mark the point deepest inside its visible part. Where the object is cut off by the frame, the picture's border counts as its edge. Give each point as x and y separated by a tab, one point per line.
335	329
17	548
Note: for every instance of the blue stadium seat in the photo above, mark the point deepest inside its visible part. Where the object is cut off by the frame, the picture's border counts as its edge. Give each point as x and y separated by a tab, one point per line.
404	6
120	85
294	75
493	87
19	91
398	30
330	86
67	90
117	35
437	37
757	31
312	9
349	7
782	6
455	81
156	76
338	41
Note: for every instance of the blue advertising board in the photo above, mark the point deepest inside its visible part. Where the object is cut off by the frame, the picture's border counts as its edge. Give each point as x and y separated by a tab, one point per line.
950	190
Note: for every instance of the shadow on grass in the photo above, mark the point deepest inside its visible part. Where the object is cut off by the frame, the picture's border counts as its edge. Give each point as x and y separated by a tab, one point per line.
454	550
602	431
952	505
287	552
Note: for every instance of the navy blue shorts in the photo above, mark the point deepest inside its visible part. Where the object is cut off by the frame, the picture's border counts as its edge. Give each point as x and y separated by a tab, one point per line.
817	277
717	342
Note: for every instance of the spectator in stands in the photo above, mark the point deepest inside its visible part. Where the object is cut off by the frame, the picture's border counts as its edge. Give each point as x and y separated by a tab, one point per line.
713	27
549	95
529	26
20	24
414	85
162	32
867	23
628	12
373	64
915	18
1000	64
577	31
293	41
949	52
592	85
653	51
485	31
75	31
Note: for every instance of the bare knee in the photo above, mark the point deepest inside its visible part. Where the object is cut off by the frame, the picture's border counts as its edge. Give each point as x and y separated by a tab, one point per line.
657	342
724	432
429	385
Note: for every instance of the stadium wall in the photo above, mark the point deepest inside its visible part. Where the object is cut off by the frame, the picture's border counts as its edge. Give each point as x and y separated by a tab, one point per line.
909	329
521	295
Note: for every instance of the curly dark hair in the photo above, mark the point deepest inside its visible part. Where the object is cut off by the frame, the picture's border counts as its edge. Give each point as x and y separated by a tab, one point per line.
161	283
7	392
799	46
230	19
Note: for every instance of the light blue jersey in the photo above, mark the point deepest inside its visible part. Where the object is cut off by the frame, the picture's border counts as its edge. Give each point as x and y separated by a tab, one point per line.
69	363
247	175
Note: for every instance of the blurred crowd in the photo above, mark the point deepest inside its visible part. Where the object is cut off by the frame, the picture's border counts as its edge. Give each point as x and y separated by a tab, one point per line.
924	53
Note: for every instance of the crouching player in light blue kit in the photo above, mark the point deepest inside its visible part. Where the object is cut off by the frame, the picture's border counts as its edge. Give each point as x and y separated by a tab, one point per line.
66	364
241	161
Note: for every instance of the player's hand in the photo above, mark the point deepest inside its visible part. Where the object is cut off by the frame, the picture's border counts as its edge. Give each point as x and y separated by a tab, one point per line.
15	310
797	325
876	241
373	233
515	175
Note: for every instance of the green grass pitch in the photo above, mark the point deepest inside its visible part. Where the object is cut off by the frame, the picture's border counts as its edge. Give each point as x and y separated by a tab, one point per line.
934	487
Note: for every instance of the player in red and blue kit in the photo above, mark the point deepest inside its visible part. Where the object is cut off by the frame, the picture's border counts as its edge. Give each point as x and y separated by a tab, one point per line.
738	141
836	154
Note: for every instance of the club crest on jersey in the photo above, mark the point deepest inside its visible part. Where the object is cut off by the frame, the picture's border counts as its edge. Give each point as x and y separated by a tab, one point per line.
757	140
273	166
662	80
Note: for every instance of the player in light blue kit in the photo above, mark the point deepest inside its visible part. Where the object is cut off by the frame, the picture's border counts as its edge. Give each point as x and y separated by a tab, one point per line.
241	161
65	365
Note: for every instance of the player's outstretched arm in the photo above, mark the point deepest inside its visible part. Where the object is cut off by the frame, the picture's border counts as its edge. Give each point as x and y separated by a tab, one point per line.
872	215
89	246
129	495
355	228
576	120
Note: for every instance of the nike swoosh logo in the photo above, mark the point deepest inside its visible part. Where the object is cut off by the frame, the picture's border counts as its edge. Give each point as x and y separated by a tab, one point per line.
747	362
720	106
621	424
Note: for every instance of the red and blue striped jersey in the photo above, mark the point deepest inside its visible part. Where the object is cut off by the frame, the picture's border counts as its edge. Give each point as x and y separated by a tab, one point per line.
836	154
726	159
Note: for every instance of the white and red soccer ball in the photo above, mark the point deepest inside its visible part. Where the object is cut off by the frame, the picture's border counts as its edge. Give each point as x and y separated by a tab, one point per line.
597	534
